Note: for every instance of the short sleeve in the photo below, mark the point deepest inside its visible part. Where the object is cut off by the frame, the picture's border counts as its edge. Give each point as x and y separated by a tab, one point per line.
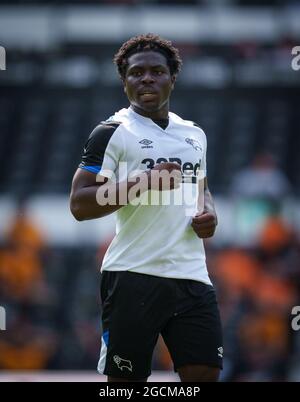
102	150
204	149
203	159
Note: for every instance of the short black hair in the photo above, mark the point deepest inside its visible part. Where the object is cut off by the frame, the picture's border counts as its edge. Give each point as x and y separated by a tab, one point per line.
147	42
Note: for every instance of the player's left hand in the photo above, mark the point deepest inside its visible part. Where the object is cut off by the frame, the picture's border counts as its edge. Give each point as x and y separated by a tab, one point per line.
204	224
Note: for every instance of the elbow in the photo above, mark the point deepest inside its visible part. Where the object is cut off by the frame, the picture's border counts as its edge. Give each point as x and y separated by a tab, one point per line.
78	217
76	214
76	210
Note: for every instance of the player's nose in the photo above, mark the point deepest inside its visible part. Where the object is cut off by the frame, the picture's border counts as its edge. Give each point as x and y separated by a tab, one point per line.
147	78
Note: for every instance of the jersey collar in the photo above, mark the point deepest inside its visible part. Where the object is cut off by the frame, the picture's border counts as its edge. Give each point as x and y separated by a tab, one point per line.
147	120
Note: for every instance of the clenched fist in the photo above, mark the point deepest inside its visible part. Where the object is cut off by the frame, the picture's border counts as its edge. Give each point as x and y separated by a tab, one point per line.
204	224
164	176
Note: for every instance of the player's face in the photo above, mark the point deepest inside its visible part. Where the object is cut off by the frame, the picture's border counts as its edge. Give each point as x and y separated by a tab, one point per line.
148	84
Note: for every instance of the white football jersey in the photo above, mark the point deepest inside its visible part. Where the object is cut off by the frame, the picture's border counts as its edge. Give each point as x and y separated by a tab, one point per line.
155	239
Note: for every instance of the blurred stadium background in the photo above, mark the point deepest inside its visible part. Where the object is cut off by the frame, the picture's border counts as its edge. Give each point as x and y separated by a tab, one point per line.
238	84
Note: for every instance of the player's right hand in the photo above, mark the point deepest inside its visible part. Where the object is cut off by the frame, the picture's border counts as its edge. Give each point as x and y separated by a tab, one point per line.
164	176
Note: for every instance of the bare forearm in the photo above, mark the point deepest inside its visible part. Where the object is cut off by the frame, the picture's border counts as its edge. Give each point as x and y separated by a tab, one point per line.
205	221
97	201
205	200
84	204
90	200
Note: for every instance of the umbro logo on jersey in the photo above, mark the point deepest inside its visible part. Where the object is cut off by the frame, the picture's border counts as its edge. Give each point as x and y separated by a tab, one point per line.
195	144
146	143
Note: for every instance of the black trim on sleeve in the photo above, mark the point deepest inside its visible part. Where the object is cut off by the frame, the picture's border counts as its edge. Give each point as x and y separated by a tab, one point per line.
94	148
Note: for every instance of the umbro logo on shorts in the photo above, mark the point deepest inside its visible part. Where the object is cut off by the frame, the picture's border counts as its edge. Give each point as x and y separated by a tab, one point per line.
146	143
122	363
220	352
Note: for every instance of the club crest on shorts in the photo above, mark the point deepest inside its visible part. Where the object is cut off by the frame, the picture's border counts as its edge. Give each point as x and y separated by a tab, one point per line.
122	363
220	351
195	144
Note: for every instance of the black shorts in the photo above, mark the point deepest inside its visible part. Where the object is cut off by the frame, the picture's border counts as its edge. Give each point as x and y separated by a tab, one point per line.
136	308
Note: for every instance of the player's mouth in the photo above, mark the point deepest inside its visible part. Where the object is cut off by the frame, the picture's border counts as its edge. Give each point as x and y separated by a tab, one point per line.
148	96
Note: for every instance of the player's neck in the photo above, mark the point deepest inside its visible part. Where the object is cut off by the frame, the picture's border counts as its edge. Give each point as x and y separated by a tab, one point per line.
156	115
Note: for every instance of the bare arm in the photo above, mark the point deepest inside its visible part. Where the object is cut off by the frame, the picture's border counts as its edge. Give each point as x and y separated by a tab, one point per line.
87	191
209	205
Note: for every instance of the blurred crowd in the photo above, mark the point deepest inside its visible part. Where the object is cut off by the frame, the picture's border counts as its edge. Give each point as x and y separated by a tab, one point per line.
24	291
257	288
